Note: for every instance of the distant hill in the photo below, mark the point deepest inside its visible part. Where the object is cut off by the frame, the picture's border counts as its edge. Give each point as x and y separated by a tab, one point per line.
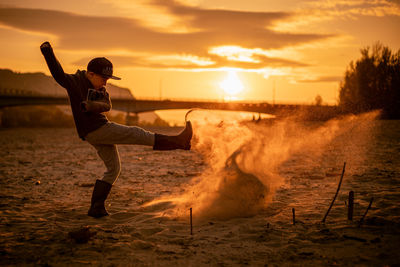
40	84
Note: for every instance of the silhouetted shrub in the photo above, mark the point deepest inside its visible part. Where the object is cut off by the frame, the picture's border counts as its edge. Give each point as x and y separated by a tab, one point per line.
373	82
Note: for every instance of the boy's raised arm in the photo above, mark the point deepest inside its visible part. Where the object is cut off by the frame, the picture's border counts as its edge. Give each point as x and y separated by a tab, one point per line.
54	66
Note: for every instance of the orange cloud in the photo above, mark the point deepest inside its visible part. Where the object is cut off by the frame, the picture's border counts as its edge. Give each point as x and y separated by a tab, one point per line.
211	28
183	62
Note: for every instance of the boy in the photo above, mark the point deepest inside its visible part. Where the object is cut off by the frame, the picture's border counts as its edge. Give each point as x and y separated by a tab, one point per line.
89	99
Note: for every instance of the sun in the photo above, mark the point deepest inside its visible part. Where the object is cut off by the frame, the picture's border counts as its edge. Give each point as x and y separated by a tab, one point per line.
231	85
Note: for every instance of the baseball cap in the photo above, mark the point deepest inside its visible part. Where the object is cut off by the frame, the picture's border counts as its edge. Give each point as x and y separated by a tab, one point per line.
102	66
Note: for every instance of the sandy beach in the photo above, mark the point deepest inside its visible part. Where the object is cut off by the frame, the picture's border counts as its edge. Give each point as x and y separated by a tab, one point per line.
242	181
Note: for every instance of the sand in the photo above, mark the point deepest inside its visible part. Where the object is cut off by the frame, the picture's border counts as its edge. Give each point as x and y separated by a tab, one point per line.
47	175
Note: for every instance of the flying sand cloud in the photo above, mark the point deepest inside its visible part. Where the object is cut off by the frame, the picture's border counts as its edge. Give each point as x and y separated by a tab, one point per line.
208	29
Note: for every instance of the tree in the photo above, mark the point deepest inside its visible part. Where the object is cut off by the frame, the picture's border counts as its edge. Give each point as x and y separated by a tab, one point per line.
373	82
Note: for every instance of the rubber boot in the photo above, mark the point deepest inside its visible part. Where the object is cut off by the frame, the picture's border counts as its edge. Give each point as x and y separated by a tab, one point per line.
180	141
100	194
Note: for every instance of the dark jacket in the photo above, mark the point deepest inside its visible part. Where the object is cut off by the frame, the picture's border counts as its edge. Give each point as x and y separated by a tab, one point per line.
77	86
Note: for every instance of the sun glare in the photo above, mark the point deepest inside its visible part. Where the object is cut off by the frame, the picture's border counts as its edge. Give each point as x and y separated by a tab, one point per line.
231	85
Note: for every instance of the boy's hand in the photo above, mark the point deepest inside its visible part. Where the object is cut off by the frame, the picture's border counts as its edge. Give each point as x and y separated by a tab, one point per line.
95	106
45	45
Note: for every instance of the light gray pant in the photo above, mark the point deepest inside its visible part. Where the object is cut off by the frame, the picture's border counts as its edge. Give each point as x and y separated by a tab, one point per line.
108	136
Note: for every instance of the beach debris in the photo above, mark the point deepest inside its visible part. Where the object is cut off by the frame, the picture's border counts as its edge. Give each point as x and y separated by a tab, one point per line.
81	235
337	192
350	206
86	185
90	184
365	214
355	238
376	240
294	216
306	253
140	244
28	178
191	222
22	162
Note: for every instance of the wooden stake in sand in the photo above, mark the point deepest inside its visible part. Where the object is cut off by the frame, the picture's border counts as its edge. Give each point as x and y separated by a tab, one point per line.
294	216
351	206
365	214
337	192
191	222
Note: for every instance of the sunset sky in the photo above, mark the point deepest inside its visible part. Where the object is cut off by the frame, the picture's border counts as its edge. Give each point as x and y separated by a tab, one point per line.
203	49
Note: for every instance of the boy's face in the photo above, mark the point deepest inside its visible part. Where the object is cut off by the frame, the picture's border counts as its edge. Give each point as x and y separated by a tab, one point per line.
97	80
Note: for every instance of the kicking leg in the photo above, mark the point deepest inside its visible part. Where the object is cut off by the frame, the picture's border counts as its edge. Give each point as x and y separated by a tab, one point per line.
114	133
180	141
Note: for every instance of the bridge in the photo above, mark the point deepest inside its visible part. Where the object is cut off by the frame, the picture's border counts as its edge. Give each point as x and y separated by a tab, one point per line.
318	112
